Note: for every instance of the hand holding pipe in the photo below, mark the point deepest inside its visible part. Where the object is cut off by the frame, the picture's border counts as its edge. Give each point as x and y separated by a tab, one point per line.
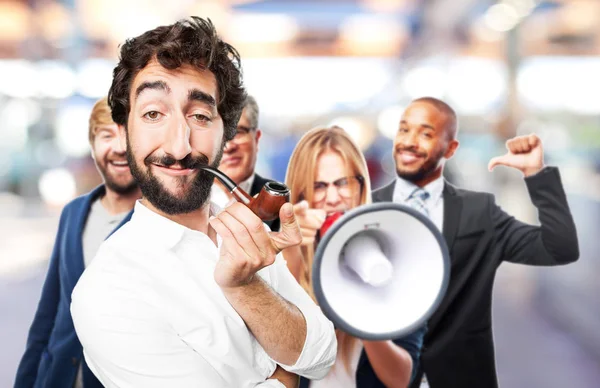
265	205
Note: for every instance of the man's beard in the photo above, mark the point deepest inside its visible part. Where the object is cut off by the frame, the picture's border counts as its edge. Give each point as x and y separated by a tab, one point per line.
429	166
152	189
121	189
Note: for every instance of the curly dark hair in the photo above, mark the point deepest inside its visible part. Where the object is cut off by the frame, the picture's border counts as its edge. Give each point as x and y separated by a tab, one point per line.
194	42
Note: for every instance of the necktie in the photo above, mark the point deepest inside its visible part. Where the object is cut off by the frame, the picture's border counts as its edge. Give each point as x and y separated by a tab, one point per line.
417	199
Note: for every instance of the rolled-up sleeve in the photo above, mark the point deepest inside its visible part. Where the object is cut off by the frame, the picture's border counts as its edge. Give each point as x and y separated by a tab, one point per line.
320	347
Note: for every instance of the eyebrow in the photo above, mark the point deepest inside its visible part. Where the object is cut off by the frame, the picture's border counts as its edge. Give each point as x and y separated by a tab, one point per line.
200	96
156	85
428	126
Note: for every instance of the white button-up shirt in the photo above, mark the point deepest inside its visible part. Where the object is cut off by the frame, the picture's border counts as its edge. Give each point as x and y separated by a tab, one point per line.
150	314
434	204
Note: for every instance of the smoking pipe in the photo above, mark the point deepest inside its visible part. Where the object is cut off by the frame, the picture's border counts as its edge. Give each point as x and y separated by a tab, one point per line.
265	205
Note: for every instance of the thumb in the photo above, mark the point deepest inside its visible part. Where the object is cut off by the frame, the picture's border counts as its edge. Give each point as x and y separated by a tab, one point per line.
289	233
287	217
504	160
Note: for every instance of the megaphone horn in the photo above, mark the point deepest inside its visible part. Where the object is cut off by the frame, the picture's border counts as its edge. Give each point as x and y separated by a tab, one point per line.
380	271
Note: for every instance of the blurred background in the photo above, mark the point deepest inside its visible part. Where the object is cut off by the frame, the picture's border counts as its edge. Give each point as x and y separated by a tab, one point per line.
508	67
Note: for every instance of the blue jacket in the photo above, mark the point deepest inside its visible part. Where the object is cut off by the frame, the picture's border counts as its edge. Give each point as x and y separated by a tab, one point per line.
53	351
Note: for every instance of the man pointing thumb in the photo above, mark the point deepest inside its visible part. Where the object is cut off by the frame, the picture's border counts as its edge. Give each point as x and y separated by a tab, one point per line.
525	153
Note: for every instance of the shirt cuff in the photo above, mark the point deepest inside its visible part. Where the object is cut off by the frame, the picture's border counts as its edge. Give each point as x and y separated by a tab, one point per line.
320	346
541	172
270	383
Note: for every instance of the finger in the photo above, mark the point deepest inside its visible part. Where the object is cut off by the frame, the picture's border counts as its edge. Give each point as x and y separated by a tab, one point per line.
240	240
311	221
287	216
220	228
307	240
318	215
289	232
513	145
308	232
300	208
503	160
249	232
533	140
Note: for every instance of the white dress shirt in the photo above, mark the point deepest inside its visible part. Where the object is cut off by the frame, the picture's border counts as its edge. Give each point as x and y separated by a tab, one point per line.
434	204
339	376
150	314
221	198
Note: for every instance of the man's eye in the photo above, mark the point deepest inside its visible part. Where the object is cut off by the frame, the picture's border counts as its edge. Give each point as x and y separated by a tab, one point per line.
152	115
202	118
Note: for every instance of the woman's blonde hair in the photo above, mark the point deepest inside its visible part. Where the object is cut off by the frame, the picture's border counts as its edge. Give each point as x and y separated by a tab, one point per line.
300	178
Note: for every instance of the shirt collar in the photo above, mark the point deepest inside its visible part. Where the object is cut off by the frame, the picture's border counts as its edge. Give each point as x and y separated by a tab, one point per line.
158	229
247	184
404	188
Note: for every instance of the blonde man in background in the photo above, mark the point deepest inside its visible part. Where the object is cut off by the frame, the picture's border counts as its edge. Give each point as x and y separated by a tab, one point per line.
53	355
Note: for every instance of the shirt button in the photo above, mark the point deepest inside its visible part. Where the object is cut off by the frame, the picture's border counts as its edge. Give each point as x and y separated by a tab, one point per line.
75	361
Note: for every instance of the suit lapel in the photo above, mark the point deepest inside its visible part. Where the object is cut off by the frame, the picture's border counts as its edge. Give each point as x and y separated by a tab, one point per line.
452	209
75	237
257	185
386	193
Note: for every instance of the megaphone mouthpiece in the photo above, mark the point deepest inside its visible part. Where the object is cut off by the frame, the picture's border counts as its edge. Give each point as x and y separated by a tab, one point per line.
363	255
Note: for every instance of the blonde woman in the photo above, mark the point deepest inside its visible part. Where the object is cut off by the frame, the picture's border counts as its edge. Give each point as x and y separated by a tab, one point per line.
327	173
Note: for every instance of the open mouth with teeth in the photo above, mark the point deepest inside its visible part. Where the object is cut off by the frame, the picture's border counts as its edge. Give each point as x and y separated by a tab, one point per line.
119	165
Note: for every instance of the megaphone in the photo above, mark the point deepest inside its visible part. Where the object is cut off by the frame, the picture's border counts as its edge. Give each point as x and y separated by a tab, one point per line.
380	271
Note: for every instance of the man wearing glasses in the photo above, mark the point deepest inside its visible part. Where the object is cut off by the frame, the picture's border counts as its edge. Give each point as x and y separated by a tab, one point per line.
239	159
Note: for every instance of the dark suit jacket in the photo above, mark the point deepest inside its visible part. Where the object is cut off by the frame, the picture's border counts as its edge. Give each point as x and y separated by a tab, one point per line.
53	351
459	348
257	185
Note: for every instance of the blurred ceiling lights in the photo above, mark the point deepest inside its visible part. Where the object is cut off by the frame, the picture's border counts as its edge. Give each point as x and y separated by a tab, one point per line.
57	187
506	14
377	35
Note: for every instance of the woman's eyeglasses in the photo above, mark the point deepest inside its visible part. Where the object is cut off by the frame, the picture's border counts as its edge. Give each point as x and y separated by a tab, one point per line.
346	187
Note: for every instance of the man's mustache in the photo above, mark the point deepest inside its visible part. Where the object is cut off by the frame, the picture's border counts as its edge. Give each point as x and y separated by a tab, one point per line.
189	162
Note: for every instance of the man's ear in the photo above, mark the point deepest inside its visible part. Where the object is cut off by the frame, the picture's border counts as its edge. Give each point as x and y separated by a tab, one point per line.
257	135
92	153
452	147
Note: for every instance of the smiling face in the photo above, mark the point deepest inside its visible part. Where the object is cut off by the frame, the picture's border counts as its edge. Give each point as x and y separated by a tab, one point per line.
111	160
239	158
173	128
422	143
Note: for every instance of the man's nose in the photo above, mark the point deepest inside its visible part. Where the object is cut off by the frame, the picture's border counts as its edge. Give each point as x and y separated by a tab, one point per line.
408	140
117	147
230	147
178	142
